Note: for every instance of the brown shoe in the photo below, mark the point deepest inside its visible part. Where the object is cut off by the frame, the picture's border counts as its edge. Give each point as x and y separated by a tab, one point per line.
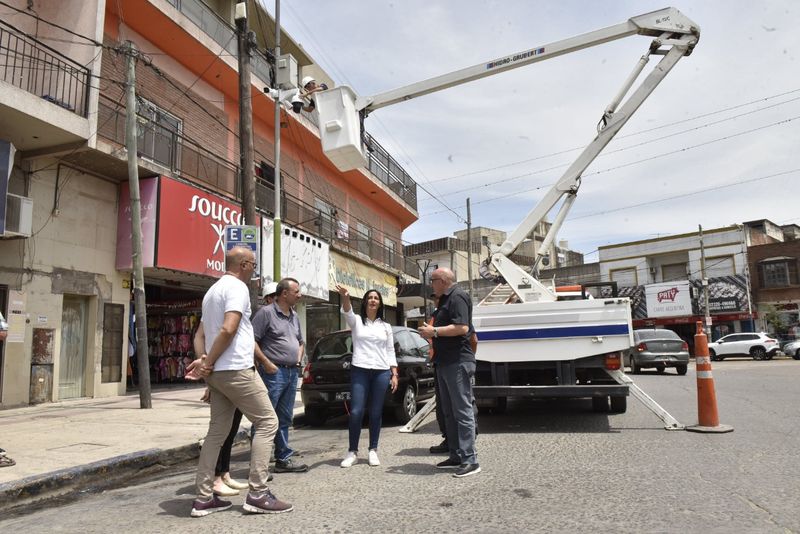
265	503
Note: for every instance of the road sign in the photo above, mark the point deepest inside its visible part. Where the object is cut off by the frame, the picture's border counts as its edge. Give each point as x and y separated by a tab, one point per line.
245	236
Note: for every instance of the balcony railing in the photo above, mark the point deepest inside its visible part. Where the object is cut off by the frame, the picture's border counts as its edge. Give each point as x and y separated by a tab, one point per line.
187	159
169	149
35	67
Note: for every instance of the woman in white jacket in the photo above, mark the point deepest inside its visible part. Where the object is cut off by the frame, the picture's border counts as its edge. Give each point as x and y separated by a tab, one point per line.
373	369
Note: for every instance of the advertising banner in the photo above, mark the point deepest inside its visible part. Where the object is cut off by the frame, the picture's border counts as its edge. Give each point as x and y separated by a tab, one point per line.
358	278
148	192
303	257
668	299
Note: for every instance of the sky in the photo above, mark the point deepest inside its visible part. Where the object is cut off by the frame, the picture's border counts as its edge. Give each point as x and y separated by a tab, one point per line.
717	143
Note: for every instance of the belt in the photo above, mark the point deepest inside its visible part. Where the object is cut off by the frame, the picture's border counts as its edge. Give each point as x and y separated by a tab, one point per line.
286	365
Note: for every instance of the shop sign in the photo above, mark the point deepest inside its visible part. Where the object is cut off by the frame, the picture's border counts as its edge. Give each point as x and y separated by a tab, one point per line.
725	304
304	257
191	228
148	194
245	236
358	278
668	299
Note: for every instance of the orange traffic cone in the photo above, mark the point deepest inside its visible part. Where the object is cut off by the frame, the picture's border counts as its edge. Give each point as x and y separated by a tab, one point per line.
706	395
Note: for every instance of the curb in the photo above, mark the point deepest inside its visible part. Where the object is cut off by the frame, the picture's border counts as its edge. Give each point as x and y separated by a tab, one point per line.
96	475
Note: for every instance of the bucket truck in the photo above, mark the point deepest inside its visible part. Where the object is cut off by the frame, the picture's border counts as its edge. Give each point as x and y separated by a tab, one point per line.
531	343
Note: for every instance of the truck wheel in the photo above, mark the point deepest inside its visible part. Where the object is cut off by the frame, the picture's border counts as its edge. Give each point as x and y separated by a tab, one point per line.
619	404
600	404
758	353
408	408
681	369
315	416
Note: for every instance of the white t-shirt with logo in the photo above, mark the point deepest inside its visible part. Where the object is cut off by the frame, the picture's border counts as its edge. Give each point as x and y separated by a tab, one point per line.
229	294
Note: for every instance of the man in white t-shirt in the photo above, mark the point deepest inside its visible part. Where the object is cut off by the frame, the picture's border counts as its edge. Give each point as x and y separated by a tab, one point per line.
228	368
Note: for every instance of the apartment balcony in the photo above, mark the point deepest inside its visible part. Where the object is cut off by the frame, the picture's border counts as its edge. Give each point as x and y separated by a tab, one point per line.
44	95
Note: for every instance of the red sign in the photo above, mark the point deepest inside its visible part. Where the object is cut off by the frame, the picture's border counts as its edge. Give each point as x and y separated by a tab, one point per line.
148	194
191	226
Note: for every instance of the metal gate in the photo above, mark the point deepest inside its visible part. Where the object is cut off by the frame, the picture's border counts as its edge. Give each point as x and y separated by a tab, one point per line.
72	360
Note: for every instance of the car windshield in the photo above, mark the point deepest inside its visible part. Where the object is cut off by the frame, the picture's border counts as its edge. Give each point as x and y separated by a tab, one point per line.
333	347
657	334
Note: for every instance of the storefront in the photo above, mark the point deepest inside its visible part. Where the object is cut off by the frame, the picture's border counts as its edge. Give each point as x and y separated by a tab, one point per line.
183	254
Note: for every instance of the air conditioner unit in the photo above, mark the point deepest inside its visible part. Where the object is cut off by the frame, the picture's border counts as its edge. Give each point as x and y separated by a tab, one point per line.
19	215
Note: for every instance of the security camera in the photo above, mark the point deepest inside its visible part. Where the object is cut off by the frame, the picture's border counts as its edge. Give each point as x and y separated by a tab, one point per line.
297	103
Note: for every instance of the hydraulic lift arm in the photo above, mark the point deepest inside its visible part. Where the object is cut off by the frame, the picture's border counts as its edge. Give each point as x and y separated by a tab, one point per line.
675	36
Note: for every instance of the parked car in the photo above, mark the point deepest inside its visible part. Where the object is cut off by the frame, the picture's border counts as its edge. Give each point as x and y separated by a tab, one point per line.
326	377
758	345
792	349
657	348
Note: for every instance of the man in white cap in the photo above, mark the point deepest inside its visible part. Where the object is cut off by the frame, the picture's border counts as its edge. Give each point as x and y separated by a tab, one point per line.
309	88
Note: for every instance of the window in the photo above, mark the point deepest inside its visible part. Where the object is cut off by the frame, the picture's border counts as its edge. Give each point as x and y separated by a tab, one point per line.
720	266
673	272
389	244
778	272
157	134
266	172
364	237
327	215
624	277
404	343
111	363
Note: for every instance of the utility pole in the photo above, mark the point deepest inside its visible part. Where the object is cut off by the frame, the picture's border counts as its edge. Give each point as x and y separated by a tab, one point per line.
245	42
423	268
469	251
705	282
276	239
142	348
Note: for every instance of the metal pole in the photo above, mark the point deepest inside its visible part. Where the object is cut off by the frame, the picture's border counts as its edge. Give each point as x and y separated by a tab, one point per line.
705	282
246	159
276	241
469	251
142	348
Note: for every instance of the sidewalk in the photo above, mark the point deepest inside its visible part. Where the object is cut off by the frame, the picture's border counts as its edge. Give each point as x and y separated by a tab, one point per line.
62	446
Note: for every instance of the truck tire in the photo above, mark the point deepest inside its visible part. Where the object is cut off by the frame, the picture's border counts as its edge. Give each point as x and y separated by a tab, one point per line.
619	404
600	404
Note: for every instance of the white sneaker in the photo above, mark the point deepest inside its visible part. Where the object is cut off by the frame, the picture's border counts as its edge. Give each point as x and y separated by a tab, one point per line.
349	460
373	458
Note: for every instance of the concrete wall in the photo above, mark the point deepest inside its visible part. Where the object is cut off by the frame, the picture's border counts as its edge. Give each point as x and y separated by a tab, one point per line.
71	253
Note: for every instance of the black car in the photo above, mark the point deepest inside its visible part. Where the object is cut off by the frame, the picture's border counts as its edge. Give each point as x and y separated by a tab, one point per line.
326	377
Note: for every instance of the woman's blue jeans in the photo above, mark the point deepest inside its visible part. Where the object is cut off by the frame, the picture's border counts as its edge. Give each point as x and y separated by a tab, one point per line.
367	392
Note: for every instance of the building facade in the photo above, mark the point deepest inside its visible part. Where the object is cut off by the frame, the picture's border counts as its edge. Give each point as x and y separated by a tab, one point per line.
65	281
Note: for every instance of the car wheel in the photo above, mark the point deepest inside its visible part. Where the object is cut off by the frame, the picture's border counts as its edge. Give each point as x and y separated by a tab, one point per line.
797	355
661	369
315	416
408	407
758	353
681	369
714	357
600	404
619	404
635	369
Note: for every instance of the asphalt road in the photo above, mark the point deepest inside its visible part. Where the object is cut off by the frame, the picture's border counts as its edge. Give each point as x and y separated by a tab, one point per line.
547	467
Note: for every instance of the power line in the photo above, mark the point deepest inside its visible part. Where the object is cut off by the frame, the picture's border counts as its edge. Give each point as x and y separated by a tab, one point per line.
39	19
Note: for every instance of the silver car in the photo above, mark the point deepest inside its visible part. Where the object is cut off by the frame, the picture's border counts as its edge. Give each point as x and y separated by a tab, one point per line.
657	348
792	349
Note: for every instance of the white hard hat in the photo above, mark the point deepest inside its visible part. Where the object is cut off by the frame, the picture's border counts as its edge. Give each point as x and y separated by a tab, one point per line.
270	289
307	80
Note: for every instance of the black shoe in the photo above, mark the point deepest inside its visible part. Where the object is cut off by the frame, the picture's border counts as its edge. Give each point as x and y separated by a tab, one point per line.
466	470
288	466
270	477
448	464
441	448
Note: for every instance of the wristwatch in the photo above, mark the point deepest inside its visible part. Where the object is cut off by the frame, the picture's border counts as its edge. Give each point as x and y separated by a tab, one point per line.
435	332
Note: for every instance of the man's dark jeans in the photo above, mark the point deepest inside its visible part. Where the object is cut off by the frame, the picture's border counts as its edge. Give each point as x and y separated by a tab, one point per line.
282	389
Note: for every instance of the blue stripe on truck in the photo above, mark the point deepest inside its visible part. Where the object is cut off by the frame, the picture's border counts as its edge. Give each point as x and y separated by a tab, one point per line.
545	333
